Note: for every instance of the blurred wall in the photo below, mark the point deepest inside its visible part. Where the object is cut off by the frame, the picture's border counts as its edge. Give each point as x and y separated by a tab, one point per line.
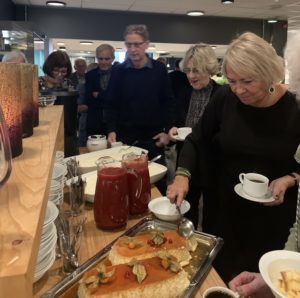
7	10
109	25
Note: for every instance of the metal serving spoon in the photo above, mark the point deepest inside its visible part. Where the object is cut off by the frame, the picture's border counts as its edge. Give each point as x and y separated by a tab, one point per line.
185	226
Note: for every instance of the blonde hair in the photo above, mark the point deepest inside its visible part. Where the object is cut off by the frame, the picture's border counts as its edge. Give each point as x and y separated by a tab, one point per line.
203	58
251	56
292	55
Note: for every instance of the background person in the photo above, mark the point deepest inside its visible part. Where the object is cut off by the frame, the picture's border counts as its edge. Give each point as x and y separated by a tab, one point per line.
96	88
139	96
14	56
78	76
199	65
249	283
252	125
57	69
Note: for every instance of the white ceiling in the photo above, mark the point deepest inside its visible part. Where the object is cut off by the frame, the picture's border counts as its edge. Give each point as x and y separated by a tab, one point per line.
262	9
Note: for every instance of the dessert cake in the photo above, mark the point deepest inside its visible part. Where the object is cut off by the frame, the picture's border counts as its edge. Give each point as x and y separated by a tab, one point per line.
148	244
160	276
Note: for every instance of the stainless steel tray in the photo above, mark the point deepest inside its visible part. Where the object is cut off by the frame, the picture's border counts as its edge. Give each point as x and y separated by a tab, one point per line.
202	258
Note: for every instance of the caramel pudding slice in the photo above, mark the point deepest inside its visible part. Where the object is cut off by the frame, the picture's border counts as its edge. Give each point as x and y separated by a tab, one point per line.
157	282
148	244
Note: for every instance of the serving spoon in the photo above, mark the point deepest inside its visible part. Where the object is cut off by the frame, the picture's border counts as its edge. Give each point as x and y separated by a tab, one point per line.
185	226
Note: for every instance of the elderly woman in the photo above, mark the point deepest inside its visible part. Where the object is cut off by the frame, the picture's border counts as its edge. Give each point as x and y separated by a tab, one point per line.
251	125
252	284
57	68
199	64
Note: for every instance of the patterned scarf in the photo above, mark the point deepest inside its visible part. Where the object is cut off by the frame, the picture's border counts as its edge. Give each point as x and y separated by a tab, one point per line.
198	102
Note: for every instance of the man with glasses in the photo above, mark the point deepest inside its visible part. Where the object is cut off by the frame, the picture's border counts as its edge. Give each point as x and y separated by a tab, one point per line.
96	82
139	97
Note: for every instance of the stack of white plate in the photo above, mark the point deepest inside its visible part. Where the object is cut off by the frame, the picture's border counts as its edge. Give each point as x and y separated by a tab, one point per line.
56	192
46	255
60	157
59	173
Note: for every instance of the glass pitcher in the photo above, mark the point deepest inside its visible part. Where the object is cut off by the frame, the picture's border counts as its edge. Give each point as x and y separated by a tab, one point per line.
111	194
5	152
138	202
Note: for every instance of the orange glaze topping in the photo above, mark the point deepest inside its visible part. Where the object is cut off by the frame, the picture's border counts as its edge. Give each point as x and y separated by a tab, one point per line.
124	279
172	241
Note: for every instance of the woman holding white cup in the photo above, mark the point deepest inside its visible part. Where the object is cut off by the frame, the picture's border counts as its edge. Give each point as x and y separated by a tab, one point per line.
252	125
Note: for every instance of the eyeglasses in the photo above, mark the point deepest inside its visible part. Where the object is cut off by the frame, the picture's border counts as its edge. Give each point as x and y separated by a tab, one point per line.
60	71
134	44
104	58
192	70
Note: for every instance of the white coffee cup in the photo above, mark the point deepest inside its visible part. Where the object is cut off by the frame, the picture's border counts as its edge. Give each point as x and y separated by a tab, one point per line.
221	290
255	185
182	132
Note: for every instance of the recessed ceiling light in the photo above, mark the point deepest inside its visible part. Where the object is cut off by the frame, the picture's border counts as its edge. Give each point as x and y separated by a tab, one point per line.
60	43
213	47
55	3
227	1
39	41
195	13
86	42
272	21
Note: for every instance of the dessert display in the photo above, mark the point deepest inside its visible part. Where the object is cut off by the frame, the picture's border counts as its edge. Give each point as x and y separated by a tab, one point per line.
289	283
160	276
149	243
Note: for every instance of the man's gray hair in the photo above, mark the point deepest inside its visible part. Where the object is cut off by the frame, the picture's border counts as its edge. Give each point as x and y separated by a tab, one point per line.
14	56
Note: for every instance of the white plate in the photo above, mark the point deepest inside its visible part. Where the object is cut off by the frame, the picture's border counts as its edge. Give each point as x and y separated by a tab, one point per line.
178	138
239	190
165	210
51	213
273	262
156	172
87	162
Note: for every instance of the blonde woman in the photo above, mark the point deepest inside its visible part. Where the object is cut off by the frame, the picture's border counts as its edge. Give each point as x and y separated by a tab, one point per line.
199	64
250	283
251	125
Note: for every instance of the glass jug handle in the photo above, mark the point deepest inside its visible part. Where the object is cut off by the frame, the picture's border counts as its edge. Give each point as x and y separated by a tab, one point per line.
139	182
5	151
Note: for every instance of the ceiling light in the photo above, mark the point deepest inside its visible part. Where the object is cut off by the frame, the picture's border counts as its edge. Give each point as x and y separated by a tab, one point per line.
38	41
195	13
60	43
272	21
86	42
55	3
227	1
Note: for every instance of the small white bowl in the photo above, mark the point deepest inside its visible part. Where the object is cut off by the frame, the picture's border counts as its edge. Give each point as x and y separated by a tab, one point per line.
273	262
163	209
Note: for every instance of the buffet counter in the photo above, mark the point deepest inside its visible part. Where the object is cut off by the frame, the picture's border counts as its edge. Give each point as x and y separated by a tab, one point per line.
23	201
93	241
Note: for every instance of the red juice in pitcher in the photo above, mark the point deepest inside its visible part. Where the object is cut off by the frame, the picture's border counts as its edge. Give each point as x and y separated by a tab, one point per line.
138	201
111	198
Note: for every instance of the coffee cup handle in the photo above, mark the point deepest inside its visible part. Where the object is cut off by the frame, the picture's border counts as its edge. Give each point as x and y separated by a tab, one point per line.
241	177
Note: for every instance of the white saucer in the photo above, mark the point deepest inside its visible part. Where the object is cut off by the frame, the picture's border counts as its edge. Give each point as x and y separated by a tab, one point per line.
178	138
239	190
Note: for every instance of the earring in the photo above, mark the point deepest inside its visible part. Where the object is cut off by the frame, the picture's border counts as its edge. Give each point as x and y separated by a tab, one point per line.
271	89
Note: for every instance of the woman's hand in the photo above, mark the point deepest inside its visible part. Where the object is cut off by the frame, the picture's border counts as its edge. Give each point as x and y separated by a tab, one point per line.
161	139
249	284
177	191
278	188
173	133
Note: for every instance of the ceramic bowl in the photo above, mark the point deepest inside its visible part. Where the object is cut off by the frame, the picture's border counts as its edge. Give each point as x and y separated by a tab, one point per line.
163	209
273	262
